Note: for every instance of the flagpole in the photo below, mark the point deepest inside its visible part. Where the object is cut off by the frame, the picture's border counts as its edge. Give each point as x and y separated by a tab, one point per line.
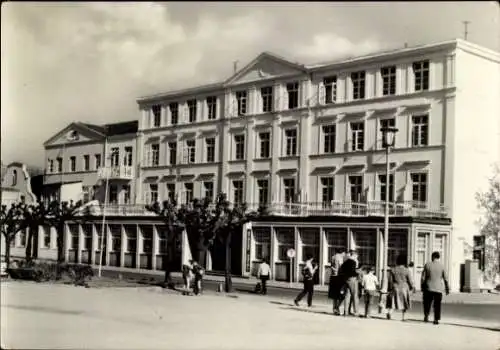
104	206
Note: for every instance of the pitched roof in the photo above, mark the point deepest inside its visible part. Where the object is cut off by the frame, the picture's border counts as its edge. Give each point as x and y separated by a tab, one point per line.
123	128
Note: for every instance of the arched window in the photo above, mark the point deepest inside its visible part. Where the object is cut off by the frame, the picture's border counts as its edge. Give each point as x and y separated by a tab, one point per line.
14	177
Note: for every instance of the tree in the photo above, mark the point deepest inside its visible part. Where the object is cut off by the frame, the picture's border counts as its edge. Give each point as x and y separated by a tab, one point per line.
489	203
34	216
173	229
12	221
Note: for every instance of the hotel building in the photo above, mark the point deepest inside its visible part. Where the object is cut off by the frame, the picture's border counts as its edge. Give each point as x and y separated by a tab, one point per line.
306	141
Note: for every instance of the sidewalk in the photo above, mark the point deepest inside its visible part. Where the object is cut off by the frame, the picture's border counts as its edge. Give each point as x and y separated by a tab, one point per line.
453	298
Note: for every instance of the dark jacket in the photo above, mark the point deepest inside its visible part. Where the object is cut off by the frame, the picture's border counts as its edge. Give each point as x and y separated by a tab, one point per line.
348	269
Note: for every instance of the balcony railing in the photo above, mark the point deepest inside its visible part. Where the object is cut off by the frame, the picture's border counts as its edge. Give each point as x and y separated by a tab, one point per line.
115	210
116	172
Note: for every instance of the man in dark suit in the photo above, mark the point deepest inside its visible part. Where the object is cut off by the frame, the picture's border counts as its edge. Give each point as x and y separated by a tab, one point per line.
434	282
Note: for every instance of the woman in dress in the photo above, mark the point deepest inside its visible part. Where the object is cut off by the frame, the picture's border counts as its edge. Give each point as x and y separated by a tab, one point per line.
335	288
400	286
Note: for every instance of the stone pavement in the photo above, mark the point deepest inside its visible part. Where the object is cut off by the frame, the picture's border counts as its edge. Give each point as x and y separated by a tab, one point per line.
59	316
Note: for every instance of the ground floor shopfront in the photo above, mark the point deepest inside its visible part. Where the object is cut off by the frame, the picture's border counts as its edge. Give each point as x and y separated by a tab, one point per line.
140	243
322	237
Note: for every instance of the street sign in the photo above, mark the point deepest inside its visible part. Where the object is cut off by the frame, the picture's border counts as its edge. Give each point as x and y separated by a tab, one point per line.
290	253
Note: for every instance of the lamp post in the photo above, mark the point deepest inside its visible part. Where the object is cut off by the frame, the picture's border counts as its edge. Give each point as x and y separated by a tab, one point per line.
388	137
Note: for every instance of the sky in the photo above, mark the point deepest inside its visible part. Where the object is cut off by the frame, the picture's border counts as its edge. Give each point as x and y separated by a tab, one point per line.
63	62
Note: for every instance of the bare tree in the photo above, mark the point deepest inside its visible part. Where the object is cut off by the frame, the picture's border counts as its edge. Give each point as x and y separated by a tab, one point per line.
12	222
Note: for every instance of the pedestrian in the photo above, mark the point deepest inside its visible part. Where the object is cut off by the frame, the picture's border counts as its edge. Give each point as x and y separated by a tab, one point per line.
370	286
337	261
187	275
308	279
349	272
434	282
400	285
336	288
198	272
264	274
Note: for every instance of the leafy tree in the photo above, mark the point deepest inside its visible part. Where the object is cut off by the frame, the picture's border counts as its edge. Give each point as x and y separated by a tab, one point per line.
174	226
489	203
11	221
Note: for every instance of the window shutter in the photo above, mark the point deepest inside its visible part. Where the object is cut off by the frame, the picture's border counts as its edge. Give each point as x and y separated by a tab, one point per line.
322	93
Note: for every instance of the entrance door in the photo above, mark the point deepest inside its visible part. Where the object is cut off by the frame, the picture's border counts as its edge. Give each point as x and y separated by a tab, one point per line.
422	255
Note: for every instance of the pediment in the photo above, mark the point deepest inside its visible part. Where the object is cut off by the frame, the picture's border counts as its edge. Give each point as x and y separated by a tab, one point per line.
265	66
74	133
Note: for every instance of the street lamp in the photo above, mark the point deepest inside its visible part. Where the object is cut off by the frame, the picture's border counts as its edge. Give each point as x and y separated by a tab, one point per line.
388	137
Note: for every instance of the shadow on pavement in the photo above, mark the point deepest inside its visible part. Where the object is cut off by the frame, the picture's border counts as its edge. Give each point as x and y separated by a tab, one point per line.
494	329
44	309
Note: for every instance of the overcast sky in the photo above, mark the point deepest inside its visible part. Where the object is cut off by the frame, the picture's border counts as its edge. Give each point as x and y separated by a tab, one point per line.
65	62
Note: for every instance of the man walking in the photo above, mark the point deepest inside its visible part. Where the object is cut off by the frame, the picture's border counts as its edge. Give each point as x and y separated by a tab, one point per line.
434	282
350	274
264	274
308	279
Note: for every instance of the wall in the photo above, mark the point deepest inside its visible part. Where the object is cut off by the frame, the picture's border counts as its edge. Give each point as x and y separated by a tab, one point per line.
476	139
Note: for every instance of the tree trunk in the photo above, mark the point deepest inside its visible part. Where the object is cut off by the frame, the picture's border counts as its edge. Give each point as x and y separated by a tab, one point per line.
29	244
227	270
168	265
7	250
60	243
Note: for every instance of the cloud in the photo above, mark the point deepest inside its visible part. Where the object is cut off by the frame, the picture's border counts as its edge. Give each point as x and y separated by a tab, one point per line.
90	61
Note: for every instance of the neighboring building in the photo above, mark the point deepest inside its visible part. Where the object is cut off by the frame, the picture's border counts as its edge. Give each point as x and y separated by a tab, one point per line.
304	140
80	158
16	183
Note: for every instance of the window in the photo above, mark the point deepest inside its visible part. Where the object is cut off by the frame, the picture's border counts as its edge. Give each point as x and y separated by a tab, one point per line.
116	241
22	237
293	95
239	143
14	178
115	156
87	237
192	110
358	136
356	188
329	138
86	162
51	165
188	188
126	194
212	107
46	236
291	142
210	143
366	246
190	152
113	194
421	75
383	187
398	245
153	193
59	164
131	241
263	186
209	189
162	241
286	240
310	243
171	192
97	160
241	99
155	154
262	238
156	110
358	85
419	187
174	112
237	192
265	144
327	190
330	89
336	239
147	239
420	130
388	80
267	96
422	248
172	153
72	163
289	189
127	159
86	193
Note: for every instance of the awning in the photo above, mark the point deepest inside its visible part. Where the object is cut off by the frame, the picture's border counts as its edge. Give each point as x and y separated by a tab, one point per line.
324	170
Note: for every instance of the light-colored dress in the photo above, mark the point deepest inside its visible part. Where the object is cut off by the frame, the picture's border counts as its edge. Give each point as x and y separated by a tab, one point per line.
400	285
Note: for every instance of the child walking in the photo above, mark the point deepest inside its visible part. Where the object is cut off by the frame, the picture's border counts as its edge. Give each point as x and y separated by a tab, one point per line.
370	286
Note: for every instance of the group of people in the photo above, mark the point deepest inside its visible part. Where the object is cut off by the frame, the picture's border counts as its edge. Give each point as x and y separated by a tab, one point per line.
192	273
349	283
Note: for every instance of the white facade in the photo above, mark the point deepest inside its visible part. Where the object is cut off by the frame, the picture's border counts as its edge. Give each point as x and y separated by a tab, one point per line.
323	144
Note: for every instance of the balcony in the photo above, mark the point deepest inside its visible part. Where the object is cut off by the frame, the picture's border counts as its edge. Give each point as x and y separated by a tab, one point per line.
115	210
116	172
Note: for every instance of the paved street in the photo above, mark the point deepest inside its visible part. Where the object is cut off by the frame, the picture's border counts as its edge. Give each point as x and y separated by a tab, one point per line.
59	316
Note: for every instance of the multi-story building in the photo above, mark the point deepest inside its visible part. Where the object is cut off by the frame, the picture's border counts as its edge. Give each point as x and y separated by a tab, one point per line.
281	132
82	157
306	142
